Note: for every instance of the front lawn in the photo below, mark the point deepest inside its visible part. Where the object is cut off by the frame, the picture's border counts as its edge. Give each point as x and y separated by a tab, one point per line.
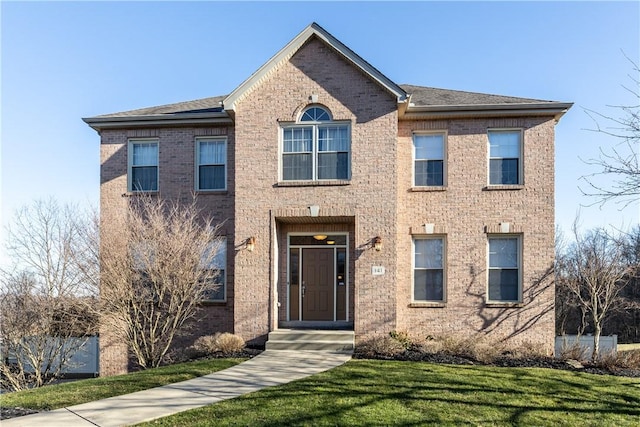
82	391
372	392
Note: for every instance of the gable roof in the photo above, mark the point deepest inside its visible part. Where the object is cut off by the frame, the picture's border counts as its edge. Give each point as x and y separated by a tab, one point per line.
414	102
313	30
430	96
204	105
429	102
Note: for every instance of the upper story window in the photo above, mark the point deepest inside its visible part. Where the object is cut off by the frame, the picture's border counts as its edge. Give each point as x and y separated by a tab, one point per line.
143	165
316	148
505	158
428	158
504	269
211	165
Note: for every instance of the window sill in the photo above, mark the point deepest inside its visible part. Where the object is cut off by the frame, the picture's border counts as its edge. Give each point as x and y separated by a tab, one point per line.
428	189
141	194
503	187
504	305
212	192
210	303
328	182
426	304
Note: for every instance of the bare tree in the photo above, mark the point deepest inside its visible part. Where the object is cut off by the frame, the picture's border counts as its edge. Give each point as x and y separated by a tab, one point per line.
157	266
47	301
619	164
591	273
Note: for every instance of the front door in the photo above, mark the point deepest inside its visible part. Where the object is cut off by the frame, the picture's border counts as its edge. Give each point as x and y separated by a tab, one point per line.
318	284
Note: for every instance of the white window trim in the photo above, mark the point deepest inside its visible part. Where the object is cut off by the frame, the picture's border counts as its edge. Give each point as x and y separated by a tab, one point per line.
520	159
518	237
314	153
444	267
130	144
223	244
445	137
197	163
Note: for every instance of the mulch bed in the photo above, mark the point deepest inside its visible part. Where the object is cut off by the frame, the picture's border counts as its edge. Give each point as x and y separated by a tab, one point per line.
507	362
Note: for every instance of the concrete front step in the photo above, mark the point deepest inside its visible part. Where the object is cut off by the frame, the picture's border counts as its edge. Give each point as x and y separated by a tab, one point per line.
317	340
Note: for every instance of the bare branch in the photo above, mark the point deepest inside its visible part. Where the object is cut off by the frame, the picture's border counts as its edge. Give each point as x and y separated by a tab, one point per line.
618	175
157	266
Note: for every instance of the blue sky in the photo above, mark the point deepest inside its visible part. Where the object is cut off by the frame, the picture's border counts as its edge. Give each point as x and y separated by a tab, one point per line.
64	61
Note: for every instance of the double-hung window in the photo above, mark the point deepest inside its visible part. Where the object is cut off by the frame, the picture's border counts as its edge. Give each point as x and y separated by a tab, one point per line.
428	269
143	165
316	148
428	158
504	269
218	292
211	169
505	157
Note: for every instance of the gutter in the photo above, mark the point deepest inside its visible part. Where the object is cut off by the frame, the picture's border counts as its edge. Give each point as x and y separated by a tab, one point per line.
555	109
186	119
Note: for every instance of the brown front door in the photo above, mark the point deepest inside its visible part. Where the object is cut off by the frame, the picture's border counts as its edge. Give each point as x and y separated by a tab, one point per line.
317	284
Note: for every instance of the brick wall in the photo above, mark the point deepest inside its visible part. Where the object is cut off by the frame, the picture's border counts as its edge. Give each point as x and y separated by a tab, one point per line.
378	200
176	182
350	96
463	213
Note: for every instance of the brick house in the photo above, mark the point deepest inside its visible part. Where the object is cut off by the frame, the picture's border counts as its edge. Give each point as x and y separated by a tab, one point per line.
350	201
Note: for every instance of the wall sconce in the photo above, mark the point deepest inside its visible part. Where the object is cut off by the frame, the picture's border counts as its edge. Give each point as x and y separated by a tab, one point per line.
251	244
377	243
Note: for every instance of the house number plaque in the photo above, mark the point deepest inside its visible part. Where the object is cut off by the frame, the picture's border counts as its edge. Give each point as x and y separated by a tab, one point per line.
377	270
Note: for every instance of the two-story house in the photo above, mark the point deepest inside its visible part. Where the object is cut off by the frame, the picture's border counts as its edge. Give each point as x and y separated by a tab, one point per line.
350	201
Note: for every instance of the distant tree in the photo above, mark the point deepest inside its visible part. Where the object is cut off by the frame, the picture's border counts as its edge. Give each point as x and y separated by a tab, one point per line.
626	321
48	302
591	272
620	163
156	269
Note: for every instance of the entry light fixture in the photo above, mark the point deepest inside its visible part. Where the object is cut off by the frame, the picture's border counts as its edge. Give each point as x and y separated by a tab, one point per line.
319	236
251	244
331	242
377	243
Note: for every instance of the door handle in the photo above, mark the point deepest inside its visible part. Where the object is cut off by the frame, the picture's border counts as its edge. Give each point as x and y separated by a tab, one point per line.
303	289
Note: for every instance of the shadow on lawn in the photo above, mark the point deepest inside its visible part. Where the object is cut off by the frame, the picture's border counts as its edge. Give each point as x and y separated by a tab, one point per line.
361	393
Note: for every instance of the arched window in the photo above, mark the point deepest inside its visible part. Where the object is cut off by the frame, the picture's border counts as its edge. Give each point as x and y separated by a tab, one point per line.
315	114
316	148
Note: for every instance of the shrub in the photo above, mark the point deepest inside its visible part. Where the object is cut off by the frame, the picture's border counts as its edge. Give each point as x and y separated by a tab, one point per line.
620	360
229	343
219	343
403	338
380	347
575	352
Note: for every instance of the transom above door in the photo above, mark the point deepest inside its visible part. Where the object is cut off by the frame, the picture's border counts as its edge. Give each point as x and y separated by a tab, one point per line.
317	285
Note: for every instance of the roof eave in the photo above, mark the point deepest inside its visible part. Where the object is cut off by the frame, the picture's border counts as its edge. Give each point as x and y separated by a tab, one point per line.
555	109
183	119
293	46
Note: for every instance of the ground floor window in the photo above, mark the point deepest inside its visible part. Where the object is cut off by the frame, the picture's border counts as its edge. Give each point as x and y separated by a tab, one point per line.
219	294
504	269
428	269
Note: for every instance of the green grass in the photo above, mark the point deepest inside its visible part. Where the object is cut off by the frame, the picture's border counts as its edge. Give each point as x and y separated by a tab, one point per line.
82	391
365	392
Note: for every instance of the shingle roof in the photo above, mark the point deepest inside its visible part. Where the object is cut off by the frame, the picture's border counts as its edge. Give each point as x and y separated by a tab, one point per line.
429	96
204	105
420	96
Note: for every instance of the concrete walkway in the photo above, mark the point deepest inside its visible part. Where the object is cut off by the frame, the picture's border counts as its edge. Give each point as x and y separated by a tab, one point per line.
272	367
